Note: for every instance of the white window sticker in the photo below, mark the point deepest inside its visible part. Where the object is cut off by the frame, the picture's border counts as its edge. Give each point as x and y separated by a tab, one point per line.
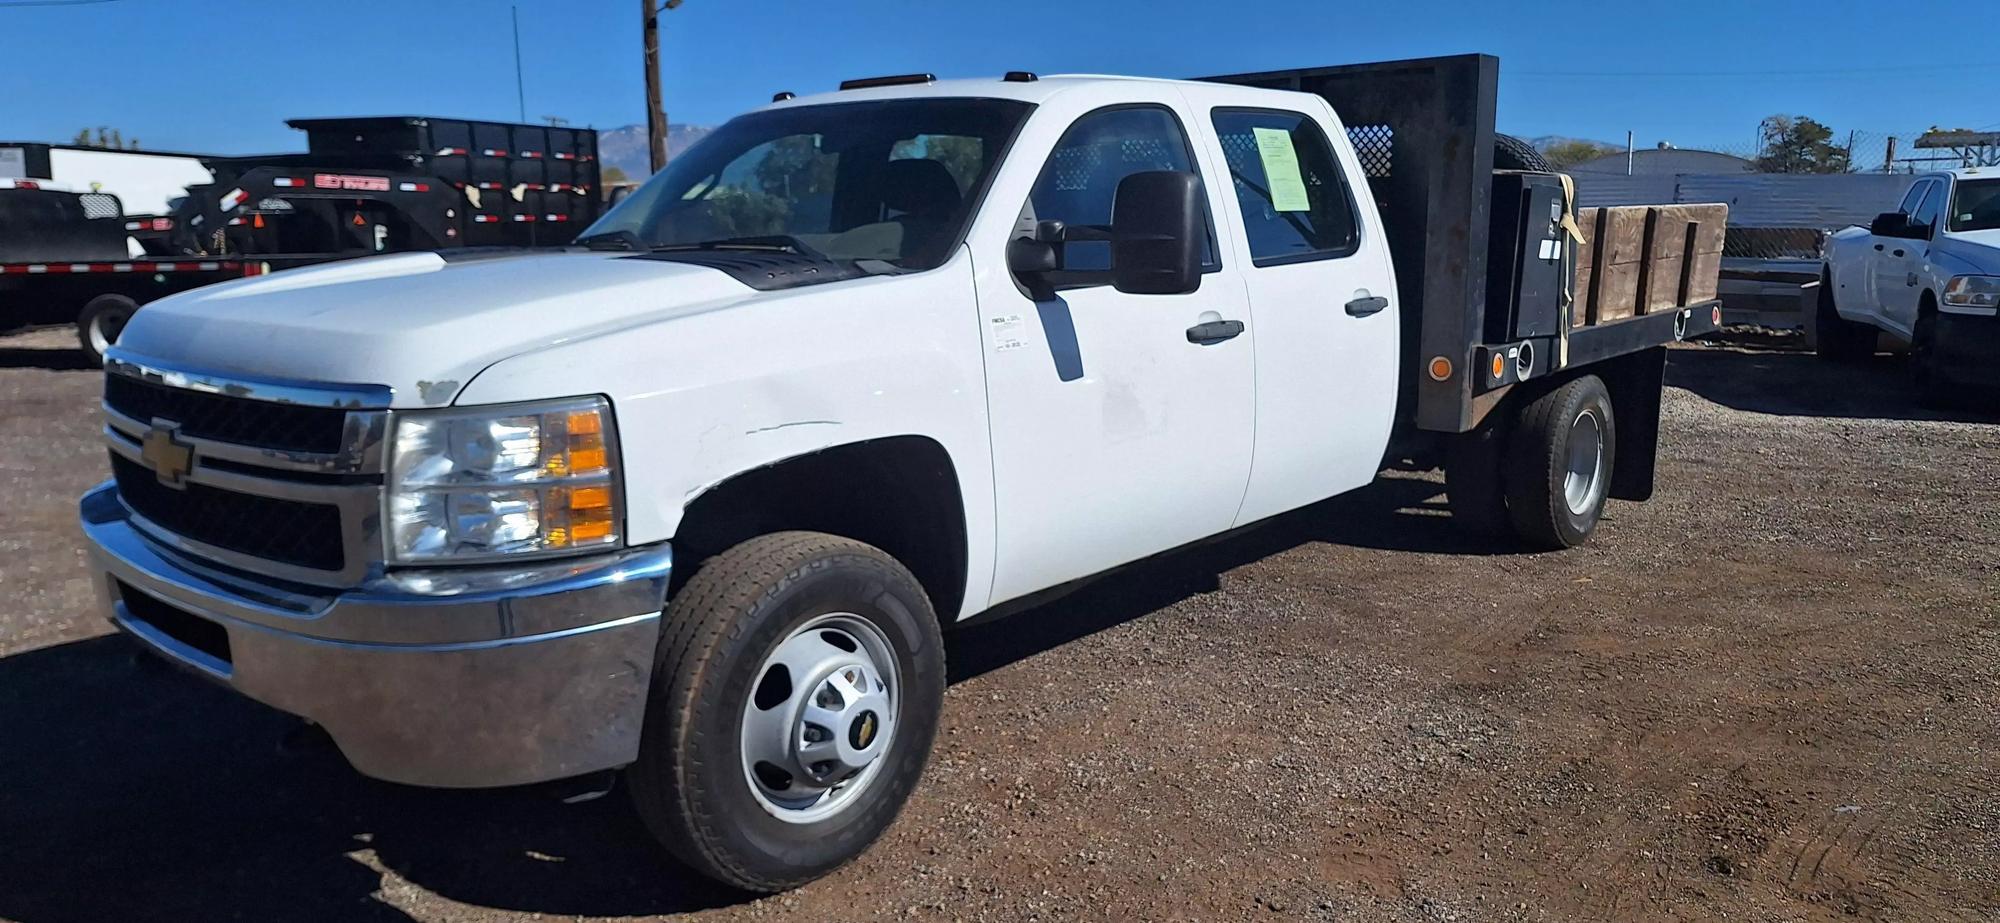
1008	332
1281	169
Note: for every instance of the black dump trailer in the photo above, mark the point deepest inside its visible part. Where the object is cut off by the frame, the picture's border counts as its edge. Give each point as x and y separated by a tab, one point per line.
1501	304
394	183
65	257
363	186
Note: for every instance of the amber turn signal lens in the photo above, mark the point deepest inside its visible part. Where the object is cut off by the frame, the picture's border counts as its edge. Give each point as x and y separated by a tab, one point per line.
1440	369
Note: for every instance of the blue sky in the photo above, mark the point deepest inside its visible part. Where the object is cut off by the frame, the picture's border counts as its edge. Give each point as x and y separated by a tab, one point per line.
222	75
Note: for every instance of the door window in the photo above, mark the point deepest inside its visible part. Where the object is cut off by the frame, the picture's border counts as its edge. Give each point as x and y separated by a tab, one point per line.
1928	210
1080	181
1911	198
1295	201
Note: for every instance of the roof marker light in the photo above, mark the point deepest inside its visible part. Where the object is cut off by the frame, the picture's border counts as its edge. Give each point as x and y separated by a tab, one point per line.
892	81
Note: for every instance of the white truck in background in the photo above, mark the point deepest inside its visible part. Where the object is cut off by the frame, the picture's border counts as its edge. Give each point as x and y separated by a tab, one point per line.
1926	274
694	499
146	182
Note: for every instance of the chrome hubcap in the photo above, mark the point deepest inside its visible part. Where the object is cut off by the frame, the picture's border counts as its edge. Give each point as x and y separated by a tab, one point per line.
821	714
104	332
1583	480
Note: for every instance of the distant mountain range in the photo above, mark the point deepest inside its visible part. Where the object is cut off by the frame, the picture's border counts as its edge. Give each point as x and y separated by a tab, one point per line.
625	148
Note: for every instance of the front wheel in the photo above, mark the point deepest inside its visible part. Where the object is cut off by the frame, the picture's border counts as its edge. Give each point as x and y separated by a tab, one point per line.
1559	463
1933	390
98	326
795	698
1835	337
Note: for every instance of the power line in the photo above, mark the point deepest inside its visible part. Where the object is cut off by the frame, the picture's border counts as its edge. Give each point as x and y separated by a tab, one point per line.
1828	72
4	4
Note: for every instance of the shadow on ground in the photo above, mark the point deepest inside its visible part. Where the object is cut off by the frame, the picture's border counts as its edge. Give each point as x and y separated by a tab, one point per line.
60	359
1798	383
130	791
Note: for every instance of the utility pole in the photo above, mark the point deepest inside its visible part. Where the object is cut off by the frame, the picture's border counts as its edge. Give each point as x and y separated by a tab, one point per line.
1889	156
656	115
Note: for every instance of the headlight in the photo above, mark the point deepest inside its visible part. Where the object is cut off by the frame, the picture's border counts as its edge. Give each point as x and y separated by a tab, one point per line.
1973	292
486	482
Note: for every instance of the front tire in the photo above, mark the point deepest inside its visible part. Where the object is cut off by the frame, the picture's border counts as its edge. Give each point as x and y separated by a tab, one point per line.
1559	463
1933	389
1835	337
794	702
100	322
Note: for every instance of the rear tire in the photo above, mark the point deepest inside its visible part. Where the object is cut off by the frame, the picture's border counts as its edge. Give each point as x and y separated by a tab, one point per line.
732	740
1834	337
98	326
1559	463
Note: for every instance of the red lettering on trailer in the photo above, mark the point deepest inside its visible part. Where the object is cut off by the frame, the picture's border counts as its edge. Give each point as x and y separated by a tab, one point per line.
355	183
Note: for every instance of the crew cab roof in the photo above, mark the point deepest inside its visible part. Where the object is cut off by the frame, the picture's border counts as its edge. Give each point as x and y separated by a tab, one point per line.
1039	90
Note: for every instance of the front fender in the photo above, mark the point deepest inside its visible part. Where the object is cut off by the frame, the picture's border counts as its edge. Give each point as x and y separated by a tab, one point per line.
704	397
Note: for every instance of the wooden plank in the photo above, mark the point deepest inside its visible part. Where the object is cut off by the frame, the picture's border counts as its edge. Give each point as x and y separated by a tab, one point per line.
1622	237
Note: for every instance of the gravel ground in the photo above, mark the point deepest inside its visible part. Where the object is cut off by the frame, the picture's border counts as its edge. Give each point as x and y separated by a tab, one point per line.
1766	695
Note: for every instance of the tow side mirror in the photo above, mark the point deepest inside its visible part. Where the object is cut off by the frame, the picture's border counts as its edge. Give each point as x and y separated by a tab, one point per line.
1892	224
1156	233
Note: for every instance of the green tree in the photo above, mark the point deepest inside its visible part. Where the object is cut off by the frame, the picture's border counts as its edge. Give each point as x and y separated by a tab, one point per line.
1797	144
1565	154
612	176
107	138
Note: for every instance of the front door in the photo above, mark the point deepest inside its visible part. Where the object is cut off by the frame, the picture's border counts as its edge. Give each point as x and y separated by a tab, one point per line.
1896	262
1115	433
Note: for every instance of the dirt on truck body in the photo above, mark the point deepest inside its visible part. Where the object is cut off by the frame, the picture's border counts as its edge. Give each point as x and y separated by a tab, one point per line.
1768	695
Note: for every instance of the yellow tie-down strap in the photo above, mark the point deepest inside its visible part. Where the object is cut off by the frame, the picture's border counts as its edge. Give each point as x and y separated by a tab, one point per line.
1575	235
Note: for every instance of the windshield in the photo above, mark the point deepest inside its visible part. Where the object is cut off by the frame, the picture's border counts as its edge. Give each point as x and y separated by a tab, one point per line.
893	180
1975	205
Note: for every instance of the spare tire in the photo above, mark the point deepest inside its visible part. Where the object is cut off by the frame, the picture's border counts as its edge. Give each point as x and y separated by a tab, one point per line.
1511	153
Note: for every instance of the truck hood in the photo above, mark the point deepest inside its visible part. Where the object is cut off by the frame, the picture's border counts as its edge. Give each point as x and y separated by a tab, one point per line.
420	323
1979	251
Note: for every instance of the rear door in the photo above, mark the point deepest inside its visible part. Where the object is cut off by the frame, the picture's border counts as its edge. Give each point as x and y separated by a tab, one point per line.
1322	294
1115	434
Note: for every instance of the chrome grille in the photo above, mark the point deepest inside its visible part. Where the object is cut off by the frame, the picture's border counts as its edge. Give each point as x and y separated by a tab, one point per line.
292	427
287	531
278	478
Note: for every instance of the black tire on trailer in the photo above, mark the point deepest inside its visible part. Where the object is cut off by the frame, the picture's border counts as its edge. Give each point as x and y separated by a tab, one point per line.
98	325
1559	462
794	701
1472	480
1511	153
1835	337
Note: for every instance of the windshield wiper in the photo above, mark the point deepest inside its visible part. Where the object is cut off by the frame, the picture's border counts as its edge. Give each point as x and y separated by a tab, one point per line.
771	243
620	239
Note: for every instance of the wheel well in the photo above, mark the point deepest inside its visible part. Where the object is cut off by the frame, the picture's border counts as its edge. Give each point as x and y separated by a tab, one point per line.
1634	382
900	494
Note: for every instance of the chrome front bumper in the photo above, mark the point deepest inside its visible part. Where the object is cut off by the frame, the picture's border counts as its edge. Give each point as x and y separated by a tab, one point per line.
450	678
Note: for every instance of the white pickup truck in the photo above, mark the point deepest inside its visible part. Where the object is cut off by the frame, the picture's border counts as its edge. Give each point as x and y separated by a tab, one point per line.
1927	274
695	498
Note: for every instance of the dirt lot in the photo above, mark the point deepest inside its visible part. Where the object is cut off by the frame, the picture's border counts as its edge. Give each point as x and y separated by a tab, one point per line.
1767	695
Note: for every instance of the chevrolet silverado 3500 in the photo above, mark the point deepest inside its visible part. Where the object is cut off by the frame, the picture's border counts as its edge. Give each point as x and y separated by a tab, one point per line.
694	499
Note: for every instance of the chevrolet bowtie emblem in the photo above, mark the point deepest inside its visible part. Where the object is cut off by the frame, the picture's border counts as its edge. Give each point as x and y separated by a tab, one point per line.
169	458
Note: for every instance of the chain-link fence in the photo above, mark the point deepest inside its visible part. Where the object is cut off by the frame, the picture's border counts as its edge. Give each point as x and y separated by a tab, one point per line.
1843	152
